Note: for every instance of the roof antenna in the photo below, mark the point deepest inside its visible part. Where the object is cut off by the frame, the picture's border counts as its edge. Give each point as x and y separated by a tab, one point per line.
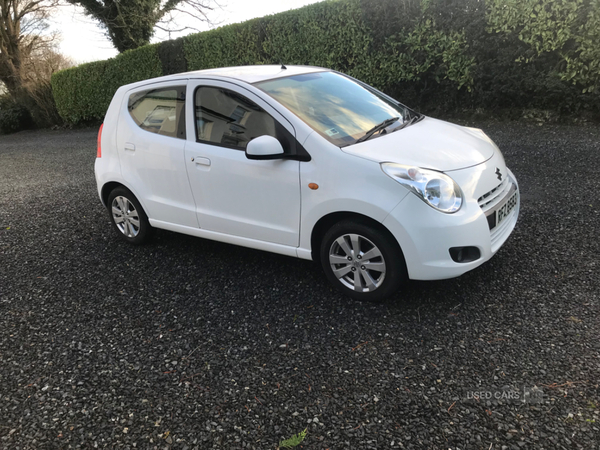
278	56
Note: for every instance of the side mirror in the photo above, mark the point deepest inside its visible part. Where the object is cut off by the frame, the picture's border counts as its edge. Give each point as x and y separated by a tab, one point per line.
264	147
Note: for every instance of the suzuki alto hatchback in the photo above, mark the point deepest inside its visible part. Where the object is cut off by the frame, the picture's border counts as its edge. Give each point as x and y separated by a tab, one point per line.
305	162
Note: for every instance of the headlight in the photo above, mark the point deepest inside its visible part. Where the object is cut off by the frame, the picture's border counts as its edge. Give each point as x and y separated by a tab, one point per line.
435	188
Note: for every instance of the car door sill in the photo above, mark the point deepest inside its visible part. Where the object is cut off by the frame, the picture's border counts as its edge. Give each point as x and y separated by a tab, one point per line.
227	238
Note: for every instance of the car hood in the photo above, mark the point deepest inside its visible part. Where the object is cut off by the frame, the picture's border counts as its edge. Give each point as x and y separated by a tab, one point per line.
430	144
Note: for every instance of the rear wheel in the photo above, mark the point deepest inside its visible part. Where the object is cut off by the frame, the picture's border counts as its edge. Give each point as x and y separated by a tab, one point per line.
127	216
364	262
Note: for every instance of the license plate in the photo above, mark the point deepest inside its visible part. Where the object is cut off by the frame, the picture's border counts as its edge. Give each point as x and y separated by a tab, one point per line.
504	211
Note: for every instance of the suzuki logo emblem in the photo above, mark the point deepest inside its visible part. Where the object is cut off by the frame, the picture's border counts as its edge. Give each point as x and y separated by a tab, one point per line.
498	173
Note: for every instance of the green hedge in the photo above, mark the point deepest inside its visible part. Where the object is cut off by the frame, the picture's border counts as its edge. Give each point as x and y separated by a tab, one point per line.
83	93
436	55
13	116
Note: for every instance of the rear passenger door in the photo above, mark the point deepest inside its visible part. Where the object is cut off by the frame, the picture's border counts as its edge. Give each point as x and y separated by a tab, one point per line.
151	145
254	199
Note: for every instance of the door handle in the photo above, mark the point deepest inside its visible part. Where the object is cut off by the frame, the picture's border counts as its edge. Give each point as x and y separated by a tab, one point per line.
129	146
201	161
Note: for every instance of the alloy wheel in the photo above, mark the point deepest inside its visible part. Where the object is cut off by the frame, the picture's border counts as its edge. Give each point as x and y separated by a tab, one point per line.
357	263
125	216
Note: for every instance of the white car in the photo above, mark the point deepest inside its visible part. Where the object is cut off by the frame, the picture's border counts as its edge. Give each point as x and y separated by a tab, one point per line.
305	162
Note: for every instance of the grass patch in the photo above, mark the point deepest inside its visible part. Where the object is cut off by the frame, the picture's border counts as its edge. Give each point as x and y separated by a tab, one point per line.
294	441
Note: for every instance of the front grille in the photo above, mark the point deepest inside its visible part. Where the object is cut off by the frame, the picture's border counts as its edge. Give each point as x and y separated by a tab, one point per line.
497	202
500	233
490	202
490	199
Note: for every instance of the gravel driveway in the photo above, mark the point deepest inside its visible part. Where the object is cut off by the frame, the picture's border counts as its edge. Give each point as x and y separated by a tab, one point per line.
187	343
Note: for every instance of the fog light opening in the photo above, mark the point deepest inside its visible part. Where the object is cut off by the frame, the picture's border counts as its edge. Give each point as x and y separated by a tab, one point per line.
464	254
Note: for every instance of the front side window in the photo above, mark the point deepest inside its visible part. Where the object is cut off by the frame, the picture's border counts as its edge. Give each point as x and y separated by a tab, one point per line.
338	108
159	111
229	119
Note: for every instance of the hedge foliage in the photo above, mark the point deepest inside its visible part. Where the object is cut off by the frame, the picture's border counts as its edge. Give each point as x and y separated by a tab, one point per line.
13	116
83	93
436	55
570	28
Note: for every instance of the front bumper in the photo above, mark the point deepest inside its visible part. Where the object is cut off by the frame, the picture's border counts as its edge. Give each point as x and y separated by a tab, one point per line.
426	235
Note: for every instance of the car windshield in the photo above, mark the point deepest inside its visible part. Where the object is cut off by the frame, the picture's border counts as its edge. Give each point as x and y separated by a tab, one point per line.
338	108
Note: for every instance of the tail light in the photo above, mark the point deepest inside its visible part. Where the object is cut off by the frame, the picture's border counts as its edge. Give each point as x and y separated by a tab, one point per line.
99	154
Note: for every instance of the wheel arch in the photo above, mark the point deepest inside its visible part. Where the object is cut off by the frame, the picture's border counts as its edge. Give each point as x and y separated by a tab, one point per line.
109	186
327	221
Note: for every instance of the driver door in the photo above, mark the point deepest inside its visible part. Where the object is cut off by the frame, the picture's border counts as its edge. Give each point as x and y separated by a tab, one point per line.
234	195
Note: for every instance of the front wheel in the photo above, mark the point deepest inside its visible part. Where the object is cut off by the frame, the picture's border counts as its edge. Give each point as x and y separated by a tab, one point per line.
364	262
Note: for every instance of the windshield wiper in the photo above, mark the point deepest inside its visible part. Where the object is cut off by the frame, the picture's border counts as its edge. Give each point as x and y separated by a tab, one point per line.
386	123
413	119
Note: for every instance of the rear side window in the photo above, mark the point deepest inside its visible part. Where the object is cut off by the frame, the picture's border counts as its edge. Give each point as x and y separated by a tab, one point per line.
229	119
160	111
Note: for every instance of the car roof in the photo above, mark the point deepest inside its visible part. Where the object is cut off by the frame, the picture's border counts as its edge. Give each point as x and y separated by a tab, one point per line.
248	74
258	73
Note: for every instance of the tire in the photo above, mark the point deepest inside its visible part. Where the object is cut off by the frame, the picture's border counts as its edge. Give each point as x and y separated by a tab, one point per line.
128	217
374	278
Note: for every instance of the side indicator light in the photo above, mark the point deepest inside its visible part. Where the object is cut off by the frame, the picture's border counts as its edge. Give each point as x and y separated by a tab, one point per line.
313	186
